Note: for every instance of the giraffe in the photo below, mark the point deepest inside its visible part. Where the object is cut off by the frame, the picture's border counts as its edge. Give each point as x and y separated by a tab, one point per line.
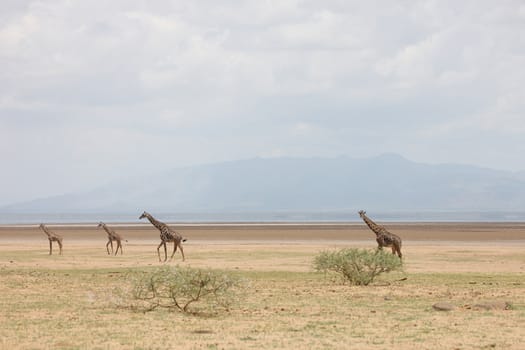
383	237
53	237
166	235
112	236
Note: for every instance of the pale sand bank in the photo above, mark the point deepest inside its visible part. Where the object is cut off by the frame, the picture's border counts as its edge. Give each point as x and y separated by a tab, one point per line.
430	247
470	232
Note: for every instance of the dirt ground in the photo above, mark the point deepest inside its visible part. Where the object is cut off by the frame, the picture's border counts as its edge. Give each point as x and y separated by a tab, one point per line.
428	247
47	299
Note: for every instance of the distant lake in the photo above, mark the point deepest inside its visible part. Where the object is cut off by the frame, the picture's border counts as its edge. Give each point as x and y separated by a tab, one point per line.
265	217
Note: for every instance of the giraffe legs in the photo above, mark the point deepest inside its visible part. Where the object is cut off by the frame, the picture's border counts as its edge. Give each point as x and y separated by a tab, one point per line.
181	250
51	247
175	246
379	243
174	249
397	249
165	250
119	244
379	246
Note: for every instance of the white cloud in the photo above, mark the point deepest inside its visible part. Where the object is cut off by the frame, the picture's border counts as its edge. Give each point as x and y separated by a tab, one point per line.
192	82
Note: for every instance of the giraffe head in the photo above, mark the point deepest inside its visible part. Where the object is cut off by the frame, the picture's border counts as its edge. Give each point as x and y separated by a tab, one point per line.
362	213
144	215
100	224
41	226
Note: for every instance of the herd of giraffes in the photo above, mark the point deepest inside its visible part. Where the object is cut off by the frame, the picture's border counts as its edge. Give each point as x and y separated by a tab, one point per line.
384	238
166	235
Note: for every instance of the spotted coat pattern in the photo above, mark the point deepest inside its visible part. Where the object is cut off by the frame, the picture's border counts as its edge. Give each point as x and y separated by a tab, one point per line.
383	237
52	237
166	235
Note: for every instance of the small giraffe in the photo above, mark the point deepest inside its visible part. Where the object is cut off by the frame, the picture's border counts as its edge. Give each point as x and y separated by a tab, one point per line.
53	237
112	236
383	237
166	235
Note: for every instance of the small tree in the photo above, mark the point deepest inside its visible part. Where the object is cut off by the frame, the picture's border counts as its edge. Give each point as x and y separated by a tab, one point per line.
357	266
184	289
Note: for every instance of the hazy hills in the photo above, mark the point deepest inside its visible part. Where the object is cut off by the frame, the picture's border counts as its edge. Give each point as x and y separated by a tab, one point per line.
388	182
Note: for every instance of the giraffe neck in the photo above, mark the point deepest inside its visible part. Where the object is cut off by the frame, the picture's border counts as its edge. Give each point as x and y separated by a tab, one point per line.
372	225
159	225
109	232
46	231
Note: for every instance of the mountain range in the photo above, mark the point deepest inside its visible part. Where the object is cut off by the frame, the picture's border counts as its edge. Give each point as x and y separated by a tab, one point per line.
387	182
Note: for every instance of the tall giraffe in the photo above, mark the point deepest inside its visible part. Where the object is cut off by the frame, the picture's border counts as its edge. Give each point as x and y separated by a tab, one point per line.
53	237
383	237
166	235
112	236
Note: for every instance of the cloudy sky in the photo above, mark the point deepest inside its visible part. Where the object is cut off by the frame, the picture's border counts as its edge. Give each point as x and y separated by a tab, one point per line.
94	91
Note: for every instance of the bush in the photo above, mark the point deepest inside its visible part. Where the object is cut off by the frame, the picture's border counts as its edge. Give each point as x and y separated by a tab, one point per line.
184	289
357	266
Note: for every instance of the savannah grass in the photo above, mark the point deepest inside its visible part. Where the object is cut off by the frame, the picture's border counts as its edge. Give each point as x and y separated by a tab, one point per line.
72	308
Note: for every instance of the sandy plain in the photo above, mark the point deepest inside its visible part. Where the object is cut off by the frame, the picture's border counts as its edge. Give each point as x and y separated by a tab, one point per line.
429	242
58	302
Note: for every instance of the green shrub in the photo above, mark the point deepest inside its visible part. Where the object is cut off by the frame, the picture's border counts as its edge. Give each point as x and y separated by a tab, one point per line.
357	266
184	289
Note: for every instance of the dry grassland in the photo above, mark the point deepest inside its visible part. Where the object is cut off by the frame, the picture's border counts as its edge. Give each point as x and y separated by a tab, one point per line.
67	302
